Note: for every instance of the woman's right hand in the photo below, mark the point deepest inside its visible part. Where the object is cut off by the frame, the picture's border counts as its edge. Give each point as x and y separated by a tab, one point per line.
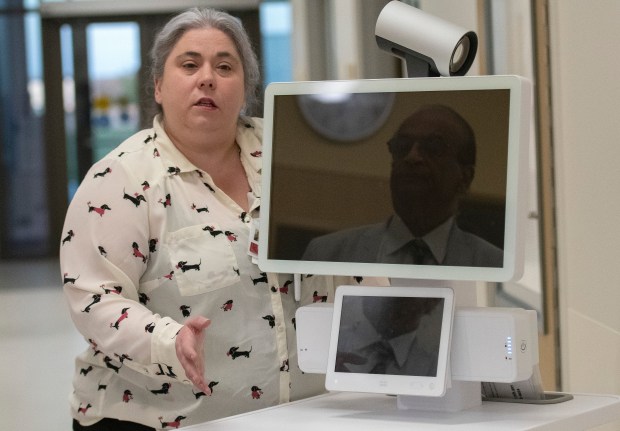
190	350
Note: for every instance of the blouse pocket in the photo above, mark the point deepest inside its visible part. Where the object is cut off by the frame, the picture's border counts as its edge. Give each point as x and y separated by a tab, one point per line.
203	262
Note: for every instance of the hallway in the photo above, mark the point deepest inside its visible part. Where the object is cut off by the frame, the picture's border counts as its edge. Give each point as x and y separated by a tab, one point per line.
38	344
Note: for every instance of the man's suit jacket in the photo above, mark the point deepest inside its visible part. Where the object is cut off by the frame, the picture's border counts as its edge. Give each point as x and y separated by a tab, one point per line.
363	245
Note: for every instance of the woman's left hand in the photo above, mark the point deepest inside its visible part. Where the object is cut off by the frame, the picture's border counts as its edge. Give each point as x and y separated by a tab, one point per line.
190	350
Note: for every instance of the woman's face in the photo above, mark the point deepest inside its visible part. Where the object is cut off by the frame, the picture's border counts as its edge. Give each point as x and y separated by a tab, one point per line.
202	88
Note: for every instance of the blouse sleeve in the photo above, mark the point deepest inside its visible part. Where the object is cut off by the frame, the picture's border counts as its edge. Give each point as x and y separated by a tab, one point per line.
103	254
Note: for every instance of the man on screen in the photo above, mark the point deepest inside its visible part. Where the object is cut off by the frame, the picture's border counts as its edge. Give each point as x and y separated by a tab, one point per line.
433	165
389	335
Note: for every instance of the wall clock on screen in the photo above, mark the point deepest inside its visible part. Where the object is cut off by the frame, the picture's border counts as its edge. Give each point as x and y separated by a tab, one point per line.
346	117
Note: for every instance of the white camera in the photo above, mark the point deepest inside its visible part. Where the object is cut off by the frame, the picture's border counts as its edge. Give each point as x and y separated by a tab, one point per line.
430	46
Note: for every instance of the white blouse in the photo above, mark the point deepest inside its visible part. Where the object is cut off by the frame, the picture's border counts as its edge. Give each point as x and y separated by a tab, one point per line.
148	241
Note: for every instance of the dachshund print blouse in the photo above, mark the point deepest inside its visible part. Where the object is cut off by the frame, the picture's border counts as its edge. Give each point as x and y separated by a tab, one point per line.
149	241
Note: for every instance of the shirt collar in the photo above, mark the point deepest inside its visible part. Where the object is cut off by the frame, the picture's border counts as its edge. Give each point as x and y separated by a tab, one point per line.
249	134
249	139
175	160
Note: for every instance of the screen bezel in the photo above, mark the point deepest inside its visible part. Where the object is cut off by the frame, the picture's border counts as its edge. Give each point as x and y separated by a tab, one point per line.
518	137
392	384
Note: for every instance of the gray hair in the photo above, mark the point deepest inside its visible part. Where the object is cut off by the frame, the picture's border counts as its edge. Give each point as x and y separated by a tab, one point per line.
196	18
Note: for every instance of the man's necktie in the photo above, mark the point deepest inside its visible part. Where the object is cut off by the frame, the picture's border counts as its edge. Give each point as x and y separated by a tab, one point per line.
421	253
382	355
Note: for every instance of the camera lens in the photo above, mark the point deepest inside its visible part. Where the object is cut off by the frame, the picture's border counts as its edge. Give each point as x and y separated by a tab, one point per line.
459	55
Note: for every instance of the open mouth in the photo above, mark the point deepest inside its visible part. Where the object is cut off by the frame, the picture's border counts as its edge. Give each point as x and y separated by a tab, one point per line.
206	102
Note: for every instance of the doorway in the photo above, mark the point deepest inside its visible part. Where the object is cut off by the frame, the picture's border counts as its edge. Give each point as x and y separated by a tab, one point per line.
100	80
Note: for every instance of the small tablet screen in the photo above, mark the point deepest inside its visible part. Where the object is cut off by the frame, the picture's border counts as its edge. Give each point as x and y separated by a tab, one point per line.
390	340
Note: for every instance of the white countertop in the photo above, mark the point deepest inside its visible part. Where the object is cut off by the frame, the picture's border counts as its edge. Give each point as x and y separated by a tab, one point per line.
358	412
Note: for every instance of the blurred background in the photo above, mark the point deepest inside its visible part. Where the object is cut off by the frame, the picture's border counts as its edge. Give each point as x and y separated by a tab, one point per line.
72	78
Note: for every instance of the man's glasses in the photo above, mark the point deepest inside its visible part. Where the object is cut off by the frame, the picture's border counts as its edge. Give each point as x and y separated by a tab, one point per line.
401	146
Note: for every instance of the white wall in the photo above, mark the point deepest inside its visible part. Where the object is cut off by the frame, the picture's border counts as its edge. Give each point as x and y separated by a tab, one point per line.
586	95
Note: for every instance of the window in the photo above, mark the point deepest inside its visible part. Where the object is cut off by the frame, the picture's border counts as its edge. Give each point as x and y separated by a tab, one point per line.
275	22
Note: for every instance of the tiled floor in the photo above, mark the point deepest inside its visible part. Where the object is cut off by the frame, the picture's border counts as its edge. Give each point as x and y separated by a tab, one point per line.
38	344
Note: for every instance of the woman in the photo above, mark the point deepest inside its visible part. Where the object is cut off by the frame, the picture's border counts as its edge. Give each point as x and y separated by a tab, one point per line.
157	265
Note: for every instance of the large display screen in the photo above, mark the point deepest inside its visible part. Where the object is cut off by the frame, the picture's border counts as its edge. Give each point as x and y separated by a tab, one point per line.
411	178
